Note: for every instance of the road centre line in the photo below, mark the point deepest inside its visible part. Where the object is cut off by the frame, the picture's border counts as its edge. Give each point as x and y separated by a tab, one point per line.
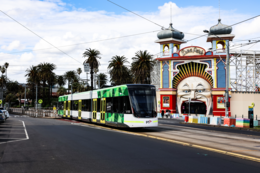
242	156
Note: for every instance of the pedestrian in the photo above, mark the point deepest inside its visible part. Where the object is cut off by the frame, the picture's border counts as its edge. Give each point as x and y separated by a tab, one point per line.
162	113
167	113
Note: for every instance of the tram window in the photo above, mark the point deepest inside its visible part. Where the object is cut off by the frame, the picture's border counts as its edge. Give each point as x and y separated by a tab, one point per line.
86	105
74	105
98	105
120	104
109	104
127	106
115	105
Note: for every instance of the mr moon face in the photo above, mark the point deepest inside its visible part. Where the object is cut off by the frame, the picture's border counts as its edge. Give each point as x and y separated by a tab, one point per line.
195	88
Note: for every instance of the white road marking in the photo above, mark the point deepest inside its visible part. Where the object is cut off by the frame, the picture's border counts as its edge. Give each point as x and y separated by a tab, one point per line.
17	139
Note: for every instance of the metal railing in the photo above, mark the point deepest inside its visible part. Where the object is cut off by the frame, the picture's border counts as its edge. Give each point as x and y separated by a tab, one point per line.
32	112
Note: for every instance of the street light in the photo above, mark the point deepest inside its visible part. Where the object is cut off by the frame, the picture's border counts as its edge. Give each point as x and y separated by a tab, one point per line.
227	72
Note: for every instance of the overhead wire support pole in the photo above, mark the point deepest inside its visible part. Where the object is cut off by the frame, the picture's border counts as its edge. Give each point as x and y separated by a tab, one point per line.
227	79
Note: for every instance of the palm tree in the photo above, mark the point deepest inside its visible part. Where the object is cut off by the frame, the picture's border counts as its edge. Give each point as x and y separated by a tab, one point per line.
142	65
70	75
46	74
117	70
103	79
6	67
60	81
33	78
79	71
61	91
92	56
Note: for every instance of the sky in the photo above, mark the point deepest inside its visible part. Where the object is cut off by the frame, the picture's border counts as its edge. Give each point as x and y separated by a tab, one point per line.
76	25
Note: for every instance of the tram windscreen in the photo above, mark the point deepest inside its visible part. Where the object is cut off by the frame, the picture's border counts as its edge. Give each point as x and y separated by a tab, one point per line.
143	101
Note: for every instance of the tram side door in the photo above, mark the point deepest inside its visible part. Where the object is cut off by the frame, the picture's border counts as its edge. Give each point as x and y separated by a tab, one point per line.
94	113
64	108
103	111
79	109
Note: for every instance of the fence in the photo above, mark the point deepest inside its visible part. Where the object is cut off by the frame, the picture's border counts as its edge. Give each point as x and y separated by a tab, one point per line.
32	112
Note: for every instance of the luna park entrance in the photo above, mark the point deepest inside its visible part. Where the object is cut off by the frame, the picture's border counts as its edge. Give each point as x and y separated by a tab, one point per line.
195	108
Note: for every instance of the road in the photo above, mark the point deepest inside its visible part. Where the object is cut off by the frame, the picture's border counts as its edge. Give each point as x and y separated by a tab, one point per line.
55	145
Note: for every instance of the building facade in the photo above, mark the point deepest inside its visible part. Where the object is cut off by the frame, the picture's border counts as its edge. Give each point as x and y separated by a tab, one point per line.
192	79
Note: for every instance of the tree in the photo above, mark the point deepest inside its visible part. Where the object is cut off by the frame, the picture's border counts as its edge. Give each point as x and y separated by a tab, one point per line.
70	75
10	97
79	71
92	56
103	79
117	70
61	91
6	67
142	65
60	81
33	79
46	75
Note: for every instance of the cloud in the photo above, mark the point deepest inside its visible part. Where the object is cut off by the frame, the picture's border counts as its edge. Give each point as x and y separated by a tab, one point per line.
59	26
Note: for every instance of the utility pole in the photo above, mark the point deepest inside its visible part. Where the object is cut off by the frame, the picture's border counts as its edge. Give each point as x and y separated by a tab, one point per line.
71	98
24	95
227	79
36	95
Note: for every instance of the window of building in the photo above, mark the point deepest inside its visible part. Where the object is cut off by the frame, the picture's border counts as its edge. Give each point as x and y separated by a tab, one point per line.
165	76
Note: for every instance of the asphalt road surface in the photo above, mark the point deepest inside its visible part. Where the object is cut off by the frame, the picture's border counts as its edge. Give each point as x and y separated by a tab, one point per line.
54	145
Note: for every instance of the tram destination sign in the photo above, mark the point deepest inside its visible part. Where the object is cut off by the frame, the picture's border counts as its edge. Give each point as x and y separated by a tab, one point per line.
192	51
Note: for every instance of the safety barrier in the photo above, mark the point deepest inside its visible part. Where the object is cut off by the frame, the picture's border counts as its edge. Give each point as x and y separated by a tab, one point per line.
243	122
230	122
193	119
203	120
215	121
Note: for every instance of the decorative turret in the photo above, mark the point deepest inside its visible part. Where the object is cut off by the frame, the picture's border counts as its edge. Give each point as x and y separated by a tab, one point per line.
170	33
170	40
219	35
220	29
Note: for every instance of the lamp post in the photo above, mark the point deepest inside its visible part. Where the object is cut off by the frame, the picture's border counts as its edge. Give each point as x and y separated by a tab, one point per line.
227	74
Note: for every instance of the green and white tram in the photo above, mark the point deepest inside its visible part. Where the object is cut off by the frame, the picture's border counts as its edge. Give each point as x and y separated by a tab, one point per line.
120	106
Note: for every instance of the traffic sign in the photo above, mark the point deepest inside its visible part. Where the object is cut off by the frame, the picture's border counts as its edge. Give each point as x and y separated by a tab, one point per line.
0	101
86	67
54	108
40	101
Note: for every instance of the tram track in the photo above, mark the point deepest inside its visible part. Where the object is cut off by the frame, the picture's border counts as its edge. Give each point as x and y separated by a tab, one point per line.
234	150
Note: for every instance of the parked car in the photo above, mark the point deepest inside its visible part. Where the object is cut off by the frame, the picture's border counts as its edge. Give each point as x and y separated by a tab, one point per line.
5	113
2	116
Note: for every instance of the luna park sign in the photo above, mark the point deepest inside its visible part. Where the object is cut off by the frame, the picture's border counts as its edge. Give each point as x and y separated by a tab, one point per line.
192	51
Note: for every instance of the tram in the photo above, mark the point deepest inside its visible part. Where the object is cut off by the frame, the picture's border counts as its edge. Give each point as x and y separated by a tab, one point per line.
125	106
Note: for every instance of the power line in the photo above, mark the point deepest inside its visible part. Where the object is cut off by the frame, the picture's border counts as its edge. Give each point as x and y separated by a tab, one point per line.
92	41
226	27
135	13
38	36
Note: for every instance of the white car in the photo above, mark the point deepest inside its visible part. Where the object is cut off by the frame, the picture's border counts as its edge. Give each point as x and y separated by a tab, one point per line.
6	113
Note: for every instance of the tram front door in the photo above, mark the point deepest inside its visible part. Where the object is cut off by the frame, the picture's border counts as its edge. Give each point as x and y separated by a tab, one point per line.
103	110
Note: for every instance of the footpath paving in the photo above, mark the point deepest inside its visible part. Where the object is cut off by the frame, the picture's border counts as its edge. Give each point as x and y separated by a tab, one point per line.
230	140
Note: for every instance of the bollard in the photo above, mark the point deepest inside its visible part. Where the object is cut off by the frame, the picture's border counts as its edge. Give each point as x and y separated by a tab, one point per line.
256	117
242	116
235	116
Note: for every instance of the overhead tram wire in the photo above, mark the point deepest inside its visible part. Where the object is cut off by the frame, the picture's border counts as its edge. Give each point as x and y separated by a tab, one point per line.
226	27
221	29
39	36
92	41
135	13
